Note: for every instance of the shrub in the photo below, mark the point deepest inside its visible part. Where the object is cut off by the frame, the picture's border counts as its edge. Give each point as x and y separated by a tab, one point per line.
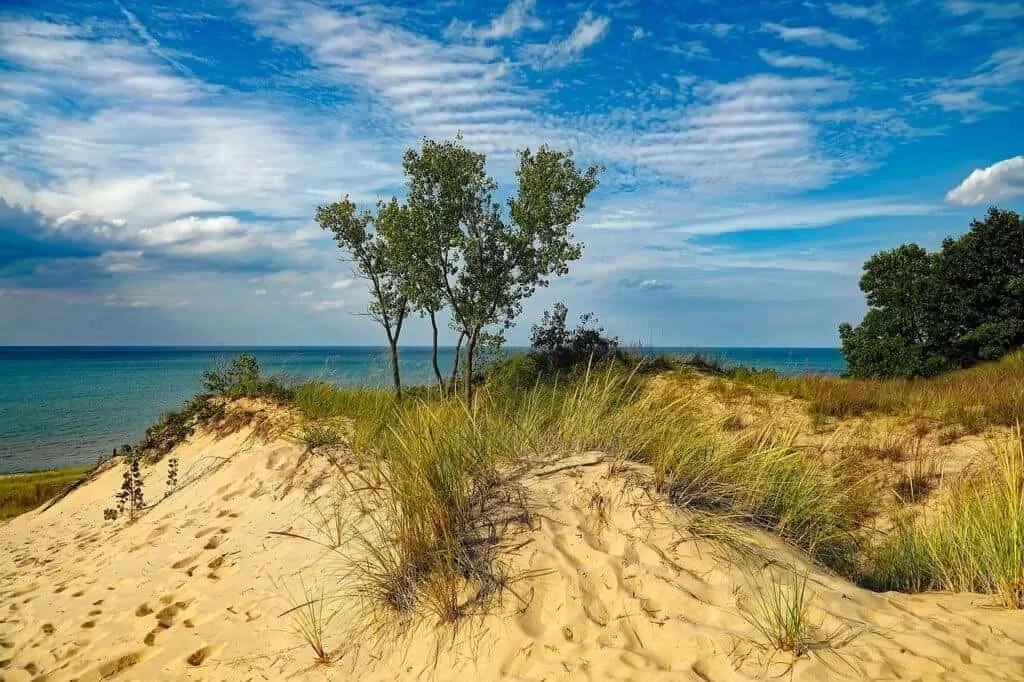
557	348
242	379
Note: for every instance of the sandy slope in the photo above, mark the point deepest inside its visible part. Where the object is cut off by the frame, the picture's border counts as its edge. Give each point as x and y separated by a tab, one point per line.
612	584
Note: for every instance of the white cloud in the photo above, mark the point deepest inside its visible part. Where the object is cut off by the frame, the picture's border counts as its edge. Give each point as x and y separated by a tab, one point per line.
1002	180
994	11
343	283
812	35
691	49
796	216
589	30
876	14
992	87
717	29
638	33
518	16
792	61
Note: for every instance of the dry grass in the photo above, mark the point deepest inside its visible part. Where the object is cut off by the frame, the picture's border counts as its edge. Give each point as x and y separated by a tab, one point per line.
989	394
973	541
311	619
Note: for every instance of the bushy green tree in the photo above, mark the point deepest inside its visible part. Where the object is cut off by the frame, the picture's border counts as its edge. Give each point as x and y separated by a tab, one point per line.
931	312
481	264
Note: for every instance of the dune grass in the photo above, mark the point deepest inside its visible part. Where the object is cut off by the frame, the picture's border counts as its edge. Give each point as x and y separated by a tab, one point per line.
781	614
988	394
20	493
444	478
974	541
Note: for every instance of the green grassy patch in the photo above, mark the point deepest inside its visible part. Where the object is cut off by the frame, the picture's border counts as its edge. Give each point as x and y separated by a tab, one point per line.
21	492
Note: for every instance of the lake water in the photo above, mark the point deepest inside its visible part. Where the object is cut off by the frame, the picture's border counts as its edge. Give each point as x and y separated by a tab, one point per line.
69	406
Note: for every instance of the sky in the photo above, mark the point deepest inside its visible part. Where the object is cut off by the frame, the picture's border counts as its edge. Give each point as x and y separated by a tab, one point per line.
161	163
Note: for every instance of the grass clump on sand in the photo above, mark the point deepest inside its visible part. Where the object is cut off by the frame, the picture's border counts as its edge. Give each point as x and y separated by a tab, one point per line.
973	541
990	393
20	493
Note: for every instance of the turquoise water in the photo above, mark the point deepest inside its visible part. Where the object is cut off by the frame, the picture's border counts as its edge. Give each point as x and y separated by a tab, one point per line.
69	406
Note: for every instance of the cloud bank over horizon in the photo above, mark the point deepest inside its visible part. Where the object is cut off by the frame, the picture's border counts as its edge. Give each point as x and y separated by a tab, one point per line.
162	162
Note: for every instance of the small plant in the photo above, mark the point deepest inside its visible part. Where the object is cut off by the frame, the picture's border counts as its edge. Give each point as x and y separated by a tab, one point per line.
734	422
921	478
316	435
172	474
310	620
972	542
129	498
781	615
950	435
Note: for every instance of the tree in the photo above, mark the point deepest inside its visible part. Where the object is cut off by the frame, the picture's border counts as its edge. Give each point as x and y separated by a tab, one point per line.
364	237
931	312
485	265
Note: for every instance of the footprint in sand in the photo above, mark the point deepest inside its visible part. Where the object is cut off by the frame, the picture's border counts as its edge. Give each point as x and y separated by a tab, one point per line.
592	604
187	561
216	540
198	657
165	617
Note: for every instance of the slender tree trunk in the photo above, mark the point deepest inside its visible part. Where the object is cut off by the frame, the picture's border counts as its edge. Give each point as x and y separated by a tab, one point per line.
453	386
433	357
470	351
395	376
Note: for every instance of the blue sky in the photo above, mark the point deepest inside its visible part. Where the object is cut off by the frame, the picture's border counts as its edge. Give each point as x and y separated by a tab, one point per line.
161	163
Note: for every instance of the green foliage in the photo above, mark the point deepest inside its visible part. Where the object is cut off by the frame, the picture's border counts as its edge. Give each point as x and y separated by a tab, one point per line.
21	492
556	348
367	238
932	312
172	474
241	378
484	265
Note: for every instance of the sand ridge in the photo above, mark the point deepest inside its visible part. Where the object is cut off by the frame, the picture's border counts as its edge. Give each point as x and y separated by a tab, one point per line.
607	582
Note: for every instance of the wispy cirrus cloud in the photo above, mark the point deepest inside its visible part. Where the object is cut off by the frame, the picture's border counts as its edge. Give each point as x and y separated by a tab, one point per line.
518	16
145	165
876	13
814	36
590	29
992	11
991	87
792	61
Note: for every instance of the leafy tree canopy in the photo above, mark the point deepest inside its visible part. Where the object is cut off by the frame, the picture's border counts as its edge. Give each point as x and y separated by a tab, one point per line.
932	312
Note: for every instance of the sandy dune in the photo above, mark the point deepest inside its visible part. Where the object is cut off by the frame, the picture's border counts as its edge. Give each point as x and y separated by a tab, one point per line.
609	583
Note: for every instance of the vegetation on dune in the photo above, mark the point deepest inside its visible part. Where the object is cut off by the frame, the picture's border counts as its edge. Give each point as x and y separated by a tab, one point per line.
444	476
452	246
989	393
974	541
933	312
20	493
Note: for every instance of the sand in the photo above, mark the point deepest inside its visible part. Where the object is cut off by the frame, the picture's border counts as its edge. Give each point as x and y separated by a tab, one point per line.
609	582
